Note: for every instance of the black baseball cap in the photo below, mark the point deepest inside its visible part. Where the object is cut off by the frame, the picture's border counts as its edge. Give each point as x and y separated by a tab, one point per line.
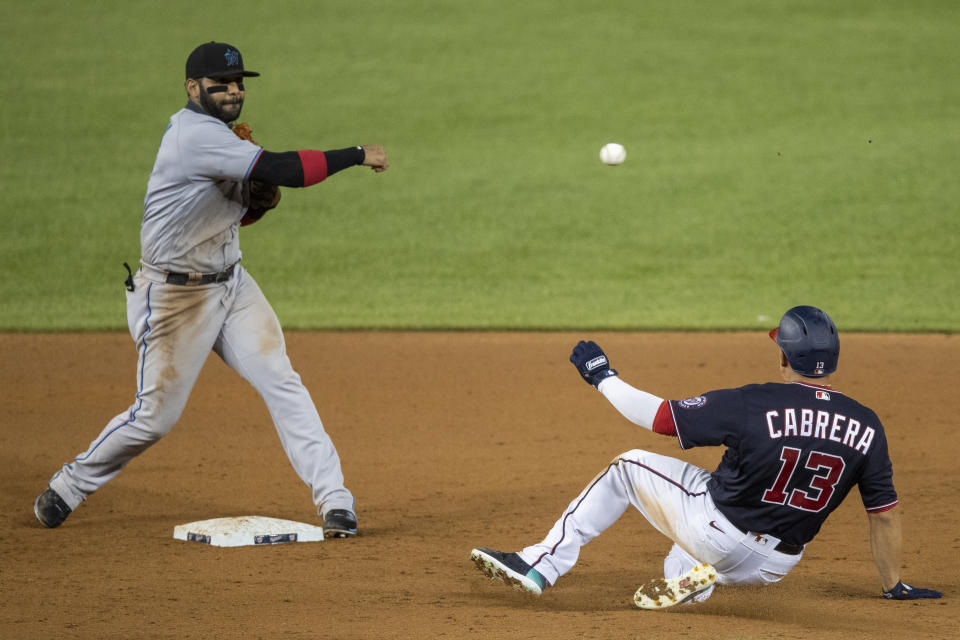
216	60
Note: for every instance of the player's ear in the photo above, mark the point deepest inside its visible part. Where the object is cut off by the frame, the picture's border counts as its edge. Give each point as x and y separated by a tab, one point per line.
192	85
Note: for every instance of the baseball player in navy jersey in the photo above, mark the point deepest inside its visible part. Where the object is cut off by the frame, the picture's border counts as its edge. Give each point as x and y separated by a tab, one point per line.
793	452
191	295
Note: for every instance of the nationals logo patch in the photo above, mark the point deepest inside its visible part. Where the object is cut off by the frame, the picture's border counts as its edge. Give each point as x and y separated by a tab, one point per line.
693	403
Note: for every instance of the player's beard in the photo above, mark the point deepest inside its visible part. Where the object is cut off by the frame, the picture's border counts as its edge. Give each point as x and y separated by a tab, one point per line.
210	105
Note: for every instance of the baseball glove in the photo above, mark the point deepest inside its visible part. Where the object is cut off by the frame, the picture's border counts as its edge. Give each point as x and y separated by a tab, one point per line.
263	196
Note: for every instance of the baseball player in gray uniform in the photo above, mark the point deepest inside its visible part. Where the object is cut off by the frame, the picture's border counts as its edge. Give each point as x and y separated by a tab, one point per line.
191	294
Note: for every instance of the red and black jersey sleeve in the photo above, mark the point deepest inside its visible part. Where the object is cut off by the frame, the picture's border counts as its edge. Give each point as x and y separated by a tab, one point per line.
303	168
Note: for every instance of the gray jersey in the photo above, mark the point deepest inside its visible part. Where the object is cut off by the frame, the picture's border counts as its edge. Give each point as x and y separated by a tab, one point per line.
196	195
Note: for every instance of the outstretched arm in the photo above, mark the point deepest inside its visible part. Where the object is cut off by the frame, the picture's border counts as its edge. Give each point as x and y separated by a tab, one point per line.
885	543
639	407
308	167
297	169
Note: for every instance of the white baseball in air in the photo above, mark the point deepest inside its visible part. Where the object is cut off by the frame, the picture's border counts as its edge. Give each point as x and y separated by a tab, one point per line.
613	153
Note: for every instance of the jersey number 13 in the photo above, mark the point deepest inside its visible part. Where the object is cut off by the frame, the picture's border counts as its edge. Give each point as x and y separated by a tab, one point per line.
827	471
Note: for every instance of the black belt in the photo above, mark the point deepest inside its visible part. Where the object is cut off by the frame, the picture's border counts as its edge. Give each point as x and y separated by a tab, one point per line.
782	547
201	278
789	549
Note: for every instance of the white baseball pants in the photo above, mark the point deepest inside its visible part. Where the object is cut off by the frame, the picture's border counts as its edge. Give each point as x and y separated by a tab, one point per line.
672	496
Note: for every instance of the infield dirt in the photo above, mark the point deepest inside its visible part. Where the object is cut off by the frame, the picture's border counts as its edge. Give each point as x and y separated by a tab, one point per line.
449	441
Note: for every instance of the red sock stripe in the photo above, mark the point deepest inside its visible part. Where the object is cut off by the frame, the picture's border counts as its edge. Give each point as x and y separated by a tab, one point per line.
314	166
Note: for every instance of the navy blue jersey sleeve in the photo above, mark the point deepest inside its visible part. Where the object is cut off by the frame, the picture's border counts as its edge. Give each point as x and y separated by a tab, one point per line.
714	418
876	482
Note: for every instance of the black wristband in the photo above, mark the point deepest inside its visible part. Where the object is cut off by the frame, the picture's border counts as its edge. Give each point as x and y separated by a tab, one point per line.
343	158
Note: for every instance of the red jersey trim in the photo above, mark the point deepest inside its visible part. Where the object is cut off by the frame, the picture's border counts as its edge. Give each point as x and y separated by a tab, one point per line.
663	422
882	508
253	163
825	387
673	419
314	166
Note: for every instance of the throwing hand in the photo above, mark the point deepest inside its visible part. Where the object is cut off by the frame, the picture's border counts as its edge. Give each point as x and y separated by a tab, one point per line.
375	157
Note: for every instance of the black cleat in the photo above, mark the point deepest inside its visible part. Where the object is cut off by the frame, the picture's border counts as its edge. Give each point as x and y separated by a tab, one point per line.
509	568
339	523
50	509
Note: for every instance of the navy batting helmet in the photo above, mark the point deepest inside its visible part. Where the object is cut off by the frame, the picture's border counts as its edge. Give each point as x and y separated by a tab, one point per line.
810	341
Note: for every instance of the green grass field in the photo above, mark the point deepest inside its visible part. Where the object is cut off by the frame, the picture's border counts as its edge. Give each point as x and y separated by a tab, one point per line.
779	153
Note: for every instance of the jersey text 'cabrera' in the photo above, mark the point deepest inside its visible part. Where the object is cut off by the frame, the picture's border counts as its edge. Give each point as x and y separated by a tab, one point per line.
825	442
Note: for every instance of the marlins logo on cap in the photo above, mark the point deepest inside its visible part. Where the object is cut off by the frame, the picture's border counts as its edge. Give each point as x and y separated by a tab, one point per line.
216	60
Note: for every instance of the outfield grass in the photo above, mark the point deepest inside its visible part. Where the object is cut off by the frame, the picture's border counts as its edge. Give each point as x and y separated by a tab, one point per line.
778	154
